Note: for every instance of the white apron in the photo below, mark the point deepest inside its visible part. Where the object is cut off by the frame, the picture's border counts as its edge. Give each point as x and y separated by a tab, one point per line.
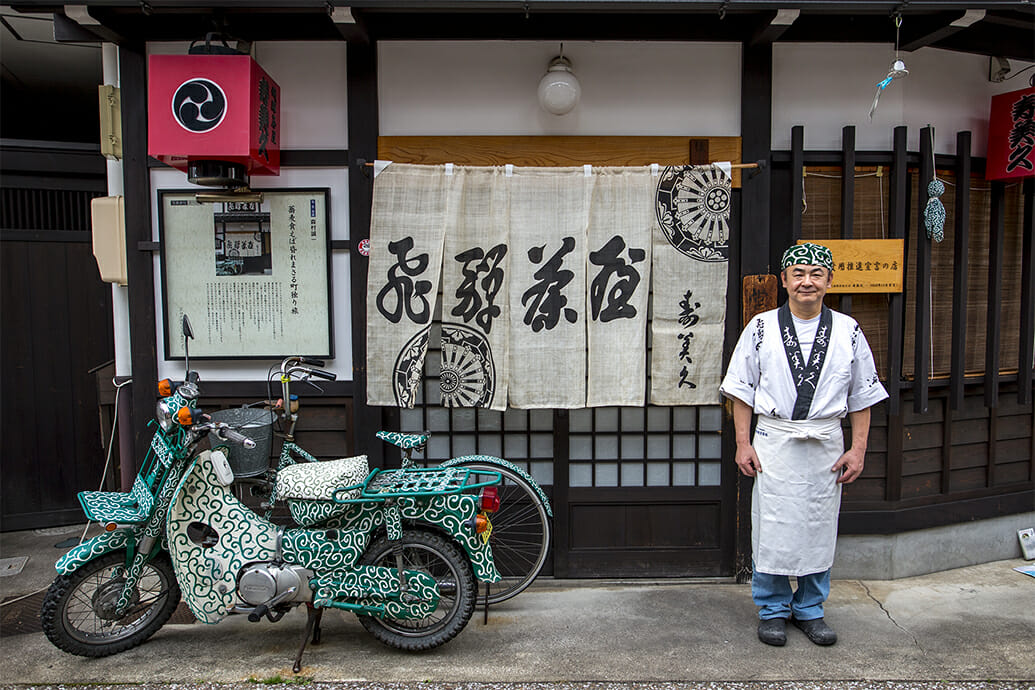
796	498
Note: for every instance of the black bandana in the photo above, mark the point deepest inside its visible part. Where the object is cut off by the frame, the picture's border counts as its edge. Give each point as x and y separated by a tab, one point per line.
805	374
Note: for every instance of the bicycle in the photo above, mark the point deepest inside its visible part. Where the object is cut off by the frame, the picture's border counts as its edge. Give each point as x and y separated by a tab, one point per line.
521	529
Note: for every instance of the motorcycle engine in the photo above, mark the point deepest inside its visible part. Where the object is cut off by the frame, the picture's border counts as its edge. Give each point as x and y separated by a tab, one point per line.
258	583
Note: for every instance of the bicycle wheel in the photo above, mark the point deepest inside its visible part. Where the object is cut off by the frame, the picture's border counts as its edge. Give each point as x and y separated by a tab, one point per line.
520	533
428	553
78	610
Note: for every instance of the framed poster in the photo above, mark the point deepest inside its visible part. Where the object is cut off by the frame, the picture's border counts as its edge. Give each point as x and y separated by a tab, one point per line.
253	276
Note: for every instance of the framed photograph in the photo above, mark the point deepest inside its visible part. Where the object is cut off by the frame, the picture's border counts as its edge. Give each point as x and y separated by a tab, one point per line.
253	277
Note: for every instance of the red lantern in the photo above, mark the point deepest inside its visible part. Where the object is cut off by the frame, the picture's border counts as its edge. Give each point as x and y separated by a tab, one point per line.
1011	135
216	117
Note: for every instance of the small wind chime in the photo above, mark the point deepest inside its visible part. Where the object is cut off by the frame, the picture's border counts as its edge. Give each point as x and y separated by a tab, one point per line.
934	212
898	69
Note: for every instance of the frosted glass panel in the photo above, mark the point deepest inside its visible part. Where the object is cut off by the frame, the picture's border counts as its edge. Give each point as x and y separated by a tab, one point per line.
580	474
709	473
490	420
438	419
580	420
515	420
710	418
632	447
683	446
632	474
411	419
607	447
542	473
710	446
433	363
657	474
684	419
657	446
542	420
682	474
657	418
632	419
580	447
607	474
438	448
607	419
515	447
490	445
542	446
463	444
463	419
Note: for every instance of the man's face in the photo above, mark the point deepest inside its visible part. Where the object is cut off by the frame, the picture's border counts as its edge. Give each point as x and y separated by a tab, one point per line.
806	285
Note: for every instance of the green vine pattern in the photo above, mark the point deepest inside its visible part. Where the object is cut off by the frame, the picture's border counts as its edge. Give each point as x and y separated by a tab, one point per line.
404	441
102	544
377	587
393	522
324	550
207	576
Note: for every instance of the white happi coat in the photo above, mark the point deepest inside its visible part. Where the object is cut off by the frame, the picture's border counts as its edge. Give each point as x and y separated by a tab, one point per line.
796	498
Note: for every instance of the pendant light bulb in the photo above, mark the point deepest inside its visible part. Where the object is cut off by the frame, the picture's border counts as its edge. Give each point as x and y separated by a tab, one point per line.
559	90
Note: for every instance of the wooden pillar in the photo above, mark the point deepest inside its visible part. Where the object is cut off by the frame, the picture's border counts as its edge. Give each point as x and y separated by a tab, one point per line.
960	268
363	129
922	339
139	264
847	196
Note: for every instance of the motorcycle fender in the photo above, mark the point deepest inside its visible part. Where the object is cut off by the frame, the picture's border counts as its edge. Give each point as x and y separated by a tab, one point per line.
500	462
92	548
451	513
211	536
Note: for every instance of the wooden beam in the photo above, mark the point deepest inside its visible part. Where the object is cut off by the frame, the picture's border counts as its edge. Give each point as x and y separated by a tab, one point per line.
847	195
1025	354
362	133
996	227
775	27
797	179
960	271
947	27
922	338
897	205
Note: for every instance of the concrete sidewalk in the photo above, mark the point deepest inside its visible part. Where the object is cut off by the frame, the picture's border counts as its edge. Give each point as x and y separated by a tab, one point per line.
970	624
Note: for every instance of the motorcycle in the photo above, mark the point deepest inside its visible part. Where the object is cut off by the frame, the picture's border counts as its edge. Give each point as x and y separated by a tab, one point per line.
402	549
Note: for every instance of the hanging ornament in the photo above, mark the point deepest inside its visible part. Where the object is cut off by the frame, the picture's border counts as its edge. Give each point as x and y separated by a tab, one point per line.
934	211
897	69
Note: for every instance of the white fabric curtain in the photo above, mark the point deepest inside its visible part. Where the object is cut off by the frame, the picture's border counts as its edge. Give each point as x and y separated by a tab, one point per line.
621	220
690	264
411	205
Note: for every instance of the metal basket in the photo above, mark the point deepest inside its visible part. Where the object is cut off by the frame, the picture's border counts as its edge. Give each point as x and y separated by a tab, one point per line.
256	424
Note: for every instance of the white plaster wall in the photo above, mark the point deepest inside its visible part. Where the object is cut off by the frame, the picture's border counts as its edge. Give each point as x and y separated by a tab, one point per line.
489	87
827	86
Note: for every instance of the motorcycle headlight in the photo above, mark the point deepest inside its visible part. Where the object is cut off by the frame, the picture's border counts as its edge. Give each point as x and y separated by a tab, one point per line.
164	413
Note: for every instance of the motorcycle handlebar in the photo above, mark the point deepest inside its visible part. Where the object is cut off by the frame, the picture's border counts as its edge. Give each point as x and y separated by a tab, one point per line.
225	433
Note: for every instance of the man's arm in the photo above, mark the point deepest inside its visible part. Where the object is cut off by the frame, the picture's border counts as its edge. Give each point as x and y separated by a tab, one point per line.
850	465
746	458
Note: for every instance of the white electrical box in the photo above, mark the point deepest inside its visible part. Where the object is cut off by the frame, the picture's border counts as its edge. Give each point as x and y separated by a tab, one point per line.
108	216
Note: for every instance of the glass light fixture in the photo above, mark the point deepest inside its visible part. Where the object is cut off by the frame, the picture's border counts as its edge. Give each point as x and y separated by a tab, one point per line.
559	90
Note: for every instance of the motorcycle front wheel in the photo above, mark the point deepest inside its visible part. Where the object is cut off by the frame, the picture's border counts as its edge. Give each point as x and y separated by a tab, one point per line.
443	560
78	610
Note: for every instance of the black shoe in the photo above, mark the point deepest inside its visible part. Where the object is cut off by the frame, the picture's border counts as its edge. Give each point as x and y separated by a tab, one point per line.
817	631
773	631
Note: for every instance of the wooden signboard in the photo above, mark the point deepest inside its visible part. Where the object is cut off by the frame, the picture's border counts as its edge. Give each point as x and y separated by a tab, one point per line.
865	265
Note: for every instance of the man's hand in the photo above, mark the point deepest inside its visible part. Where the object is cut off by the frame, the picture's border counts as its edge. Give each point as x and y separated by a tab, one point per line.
747	460
850	465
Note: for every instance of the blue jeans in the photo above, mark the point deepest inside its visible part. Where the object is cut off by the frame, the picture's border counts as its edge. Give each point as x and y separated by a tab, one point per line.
773	597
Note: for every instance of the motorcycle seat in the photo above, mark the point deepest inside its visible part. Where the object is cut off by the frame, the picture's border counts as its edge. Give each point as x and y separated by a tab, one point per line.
317	481
405	441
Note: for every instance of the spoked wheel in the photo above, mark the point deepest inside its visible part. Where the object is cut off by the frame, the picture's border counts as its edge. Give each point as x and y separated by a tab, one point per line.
78	610
520	537
443	560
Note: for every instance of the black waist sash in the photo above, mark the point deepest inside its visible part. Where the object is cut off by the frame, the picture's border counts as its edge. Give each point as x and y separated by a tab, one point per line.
805	374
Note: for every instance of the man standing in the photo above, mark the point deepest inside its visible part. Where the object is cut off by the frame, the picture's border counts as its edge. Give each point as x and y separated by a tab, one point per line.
801	368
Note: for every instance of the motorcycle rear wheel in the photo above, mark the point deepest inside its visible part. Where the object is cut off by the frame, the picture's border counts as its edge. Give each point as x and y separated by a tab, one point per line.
443	560
76	612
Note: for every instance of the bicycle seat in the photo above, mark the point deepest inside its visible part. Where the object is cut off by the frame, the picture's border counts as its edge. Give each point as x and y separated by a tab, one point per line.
317	481
405	441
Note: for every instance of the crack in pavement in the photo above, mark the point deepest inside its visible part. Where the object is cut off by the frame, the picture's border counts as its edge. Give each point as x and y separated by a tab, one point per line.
887	613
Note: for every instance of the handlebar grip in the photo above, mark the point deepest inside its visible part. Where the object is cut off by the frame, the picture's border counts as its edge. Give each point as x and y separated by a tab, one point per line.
227	434
312	361
323	374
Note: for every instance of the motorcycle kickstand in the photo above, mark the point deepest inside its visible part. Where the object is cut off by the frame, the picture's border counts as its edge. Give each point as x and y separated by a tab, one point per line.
312	627
485	621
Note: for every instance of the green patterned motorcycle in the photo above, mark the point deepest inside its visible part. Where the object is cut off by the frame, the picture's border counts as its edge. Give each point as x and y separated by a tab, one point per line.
402	549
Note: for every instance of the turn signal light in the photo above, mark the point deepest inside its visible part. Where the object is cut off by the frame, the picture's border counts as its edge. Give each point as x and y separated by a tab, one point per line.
110	527
481	523
185	416
165	388
489	500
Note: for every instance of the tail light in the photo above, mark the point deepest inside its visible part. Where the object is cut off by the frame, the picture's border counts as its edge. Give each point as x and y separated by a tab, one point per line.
165	388
489	500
